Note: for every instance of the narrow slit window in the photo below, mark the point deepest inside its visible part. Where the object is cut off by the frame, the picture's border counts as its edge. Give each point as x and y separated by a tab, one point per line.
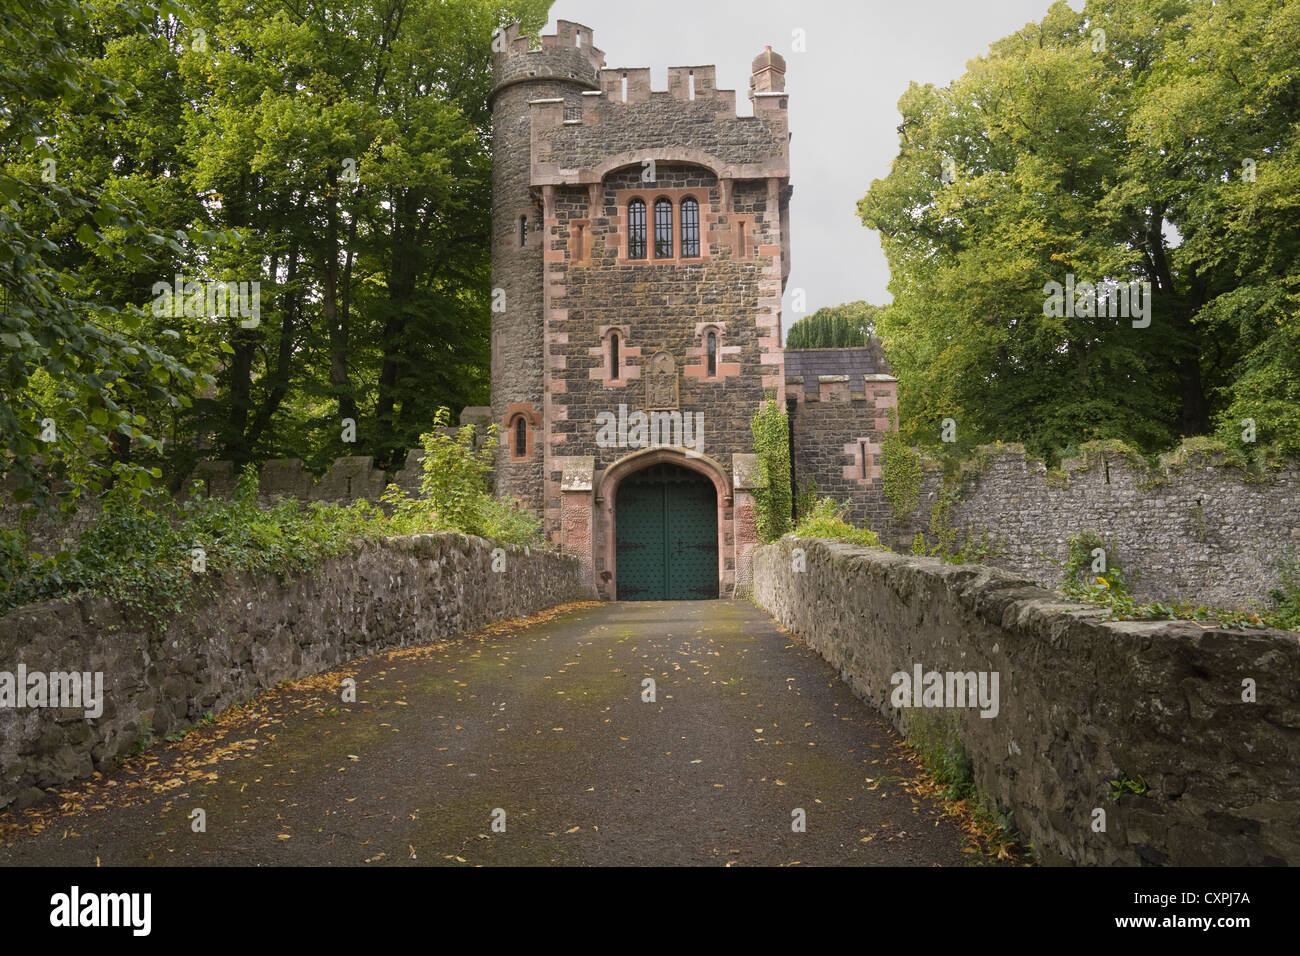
523	230
741	240
521	437
713	354
690	228
862	447
579	240
613	356
636	229
663	229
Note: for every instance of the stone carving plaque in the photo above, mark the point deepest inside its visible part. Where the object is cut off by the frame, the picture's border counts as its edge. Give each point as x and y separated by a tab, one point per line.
661	382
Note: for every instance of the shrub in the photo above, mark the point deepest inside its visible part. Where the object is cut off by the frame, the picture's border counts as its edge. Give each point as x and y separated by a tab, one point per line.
828	520
806	499
141	548
454	493
1080	578
1287	596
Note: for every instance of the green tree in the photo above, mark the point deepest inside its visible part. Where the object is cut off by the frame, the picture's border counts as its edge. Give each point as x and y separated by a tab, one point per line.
354	145
834	327
238	130
1087	145
85	372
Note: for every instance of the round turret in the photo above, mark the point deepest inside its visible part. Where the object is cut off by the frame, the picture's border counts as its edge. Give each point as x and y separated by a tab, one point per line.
564	66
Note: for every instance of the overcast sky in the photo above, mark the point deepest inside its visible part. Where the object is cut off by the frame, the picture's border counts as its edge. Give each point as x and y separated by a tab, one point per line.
844	91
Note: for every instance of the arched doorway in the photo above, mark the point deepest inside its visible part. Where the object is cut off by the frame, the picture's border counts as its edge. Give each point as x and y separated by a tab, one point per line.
666	533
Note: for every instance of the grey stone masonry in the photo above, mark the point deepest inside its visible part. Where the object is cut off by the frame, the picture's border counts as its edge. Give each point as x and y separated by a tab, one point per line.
1203	722
253	632
841	402
347	480
1195	529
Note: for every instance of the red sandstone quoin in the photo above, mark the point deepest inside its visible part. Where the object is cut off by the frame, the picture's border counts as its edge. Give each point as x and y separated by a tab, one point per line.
641	248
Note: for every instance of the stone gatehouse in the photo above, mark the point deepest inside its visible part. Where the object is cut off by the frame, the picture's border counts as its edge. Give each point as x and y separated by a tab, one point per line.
640	251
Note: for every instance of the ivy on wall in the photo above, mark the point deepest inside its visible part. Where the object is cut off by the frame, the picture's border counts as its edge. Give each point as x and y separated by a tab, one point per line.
773	499
900	472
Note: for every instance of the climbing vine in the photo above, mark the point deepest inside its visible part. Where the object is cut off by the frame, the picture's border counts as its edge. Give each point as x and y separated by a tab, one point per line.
773	499
901	472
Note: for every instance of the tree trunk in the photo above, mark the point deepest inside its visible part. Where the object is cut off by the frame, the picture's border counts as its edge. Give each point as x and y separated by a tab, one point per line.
336	324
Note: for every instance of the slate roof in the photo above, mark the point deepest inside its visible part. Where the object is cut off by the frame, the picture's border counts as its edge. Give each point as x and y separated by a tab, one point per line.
853	362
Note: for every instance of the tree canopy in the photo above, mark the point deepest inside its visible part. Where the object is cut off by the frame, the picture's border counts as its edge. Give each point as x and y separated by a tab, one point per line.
328	165
834	326
1140	141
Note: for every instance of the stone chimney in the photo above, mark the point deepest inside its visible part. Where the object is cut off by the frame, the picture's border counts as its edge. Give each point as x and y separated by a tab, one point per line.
768	72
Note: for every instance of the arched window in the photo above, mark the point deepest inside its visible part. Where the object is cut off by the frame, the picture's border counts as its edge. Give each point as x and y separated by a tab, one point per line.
663	229
521	437
636	229
713	354
613	356
690	228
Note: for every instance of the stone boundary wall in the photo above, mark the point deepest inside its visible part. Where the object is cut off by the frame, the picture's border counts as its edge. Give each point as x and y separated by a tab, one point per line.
1081	703
255	632
348	479
1196	529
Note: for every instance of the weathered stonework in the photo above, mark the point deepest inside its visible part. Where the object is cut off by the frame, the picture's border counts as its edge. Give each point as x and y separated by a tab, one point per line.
841	401
255	632
1193	530
590	327
575	144
1081	703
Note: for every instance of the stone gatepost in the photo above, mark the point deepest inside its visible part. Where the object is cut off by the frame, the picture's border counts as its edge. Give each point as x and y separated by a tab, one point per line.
577	510
745	478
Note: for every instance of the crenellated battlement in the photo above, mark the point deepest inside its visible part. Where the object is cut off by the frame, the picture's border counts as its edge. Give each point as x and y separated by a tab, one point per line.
568	54
686	84
580	139
568	35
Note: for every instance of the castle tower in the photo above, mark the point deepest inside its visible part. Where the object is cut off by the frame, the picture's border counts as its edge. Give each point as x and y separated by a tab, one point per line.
640	250
553	76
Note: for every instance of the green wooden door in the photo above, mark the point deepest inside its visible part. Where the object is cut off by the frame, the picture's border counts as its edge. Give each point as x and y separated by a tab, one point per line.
666	526
640	531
